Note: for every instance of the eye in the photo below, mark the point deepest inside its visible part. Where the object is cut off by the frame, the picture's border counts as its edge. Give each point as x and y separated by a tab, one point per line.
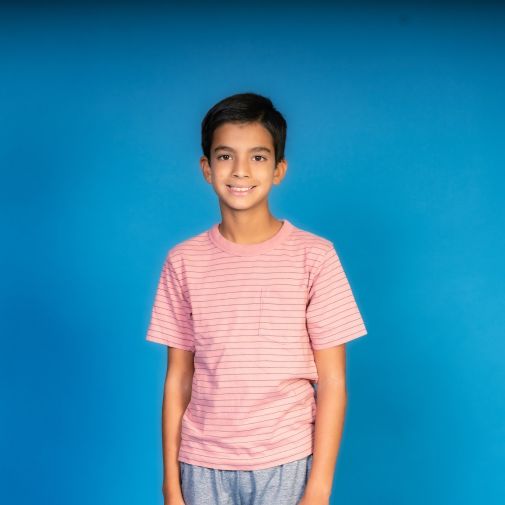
259	156
219	157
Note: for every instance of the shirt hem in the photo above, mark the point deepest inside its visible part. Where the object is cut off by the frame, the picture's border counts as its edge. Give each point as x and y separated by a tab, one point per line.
262	466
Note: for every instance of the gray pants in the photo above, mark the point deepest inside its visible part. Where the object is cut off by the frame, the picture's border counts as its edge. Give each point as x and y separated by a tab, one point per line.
278	485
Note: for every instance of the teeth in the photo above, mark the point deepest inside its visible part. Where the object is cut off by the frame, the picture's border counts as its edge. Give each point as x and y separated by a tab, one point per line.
241	189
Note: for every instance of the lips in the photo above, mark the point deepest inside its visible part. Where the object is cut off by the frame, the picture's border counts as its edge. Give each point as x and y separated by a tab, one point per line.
239	190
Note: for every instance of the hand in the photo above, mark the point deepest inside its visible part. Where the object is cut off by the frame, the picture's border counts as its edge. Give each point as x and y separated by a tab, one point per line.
314	498
174	500
173	497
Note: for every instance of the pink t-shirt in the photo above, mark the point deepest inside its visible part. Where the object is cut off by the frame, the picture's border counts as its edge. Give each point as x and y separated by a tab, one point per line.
252	314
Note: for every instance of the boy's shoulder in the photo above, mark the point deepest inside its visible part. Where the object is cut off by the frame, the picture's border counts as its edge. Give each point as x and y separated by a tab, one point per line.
311	240
188	245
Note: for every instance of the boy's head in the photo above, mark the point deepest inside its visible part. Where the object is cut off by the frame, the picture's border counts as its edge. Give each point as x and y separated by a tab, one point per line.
245	108
243	141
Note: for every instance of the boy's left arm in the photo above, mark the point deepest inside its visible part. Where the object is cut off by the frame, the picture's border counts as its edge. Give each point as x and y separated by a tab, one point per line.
330	413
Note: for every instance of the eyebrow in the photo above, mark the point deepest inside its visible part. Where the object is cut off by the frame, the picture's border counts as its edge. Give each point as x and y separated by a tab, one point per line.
228	148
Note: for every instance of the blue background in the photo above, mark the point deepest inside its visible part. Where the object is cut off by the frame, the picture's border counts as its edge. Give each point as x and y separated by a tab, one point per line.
395	147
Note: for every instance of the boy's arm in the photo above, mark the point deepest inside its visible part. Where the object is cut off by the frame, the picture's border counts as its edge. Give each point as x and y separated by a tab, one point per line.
330	412
176	396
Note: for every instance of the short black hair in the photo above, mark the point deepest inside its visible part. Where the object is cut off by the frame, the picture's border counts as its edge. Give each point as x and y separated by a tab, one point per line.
245	108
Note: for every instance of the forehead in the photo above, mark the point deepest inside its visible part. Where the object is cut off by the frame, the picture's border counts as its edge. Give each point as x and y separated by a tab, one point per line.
242	135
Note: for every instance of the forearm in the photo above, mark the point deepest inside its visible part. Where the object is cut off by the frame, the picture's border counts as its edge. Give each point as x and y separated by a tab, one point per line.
330	413
176	396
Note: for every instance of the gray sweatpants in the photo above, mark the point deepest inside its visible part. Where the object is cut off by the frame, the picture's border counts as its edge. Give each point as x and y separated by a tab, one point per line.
278	485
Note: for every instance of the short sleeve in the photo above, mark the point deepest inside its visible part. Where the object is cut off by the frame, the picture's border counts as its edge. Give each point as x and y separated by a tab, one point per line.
171	322
332	315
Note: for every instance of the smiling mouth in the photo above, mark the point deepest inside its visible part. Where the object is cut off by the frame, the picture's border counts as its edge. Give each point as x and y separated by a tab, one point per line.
239	190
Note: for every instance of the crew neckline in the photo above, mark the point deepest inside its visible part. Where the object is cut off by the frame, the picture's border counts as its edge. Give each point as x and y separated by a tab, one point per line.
250	249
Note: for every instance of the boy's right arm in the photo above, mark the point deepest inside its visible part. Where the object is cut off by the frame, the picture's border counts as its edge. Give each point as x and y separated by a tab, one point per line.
176	397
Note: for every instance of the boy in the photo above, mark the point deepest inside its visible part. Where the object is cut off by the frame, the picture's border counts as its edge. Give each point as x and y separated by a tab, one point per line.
255	312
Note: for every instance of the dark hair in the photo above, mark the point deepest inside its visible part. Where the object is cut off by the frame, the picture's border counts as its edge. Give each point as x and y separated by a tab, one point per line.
245	108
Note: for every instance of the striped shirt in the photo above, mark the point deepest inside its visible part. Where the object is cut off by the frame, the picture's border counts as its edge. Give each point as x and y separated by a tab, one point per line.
252	314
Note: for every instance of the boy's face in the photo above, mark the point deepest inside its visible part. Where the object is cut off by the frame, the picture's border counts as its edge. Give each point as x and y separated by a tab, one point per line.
242	155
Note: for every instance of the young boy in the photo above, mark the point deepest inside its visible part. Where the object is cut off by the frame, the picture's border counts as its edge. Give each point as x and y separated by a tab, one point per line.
255	311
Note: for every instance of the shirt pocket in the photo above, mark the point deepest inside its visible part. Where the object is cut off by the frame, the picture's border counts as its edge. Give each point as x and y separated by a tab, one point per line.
282	312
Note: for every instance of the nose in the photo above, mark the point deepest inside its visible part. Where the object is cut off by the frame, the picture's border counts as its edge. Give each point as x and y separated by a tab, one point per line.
241	168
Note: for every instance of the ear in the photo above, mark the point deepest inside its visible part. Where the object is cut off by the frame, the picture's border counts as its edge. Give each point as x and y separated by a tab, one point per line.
280	171
206	170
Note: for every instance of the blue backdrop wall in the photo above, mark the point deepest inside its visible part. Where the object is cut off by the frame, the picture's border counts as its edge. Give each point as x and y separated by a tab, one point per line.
395	147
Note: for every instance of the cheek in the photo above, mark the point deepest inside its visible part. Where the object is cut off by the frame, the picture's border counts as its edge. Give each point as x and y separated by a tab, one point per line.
220	173
266	180
264	174
218	178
